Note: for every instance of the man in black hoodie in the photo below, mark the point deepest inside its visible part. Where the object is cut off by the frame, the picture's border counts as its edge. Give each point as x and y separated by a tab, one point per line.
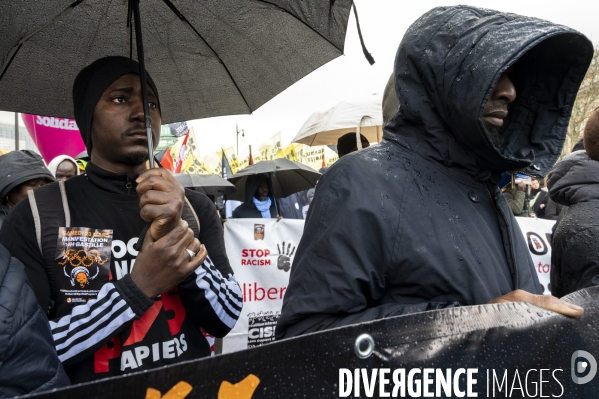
480	92
107	317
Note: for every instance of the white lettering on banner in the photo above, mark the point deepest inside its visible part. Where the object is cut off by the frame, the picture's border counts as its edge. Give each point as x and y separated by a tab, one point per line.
418	383
135	358
57	123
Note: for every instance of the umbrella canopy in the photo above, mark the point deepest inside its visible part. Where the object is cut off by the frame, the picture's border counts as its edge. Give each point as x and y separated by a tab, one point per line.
287	177
324	128
207	184
207	58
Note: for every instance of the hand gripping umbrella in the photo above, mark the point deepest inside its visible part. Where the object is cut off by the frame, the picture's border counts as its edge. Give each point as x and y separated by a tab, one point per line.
208	58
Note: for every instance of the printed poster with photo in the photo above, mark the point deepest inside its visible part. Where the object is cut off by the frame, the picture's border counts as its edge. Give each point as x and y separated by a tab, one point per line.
261	253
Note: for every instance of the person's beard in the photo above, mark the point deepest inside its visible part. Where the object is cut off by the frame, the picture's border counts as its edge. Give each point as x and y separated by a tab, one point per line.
263	197
494	133
137	158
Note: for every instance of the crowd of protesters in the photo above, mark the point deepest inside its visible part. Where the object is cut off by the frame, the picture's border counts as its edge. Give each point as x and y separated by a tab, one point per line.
420	221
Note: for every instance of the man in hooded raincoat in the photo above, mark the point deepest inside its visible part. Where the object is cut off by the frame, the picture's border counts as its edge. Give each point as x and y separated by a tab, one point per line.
259	201
480	92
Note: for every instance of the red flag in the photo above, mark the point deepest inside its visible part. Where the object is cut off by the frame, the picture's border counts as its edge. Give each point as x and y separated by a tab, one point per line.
324	165
167	160
251	158
181	156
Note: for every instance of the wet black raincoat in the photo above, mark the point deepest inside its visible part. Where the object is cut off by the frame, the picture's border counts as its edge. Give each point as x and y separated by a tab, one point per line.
417	222
574	182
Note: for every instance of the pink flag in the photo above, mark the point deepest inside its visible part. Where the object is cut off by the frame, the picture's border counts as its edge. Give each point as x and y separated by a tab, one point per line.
54	136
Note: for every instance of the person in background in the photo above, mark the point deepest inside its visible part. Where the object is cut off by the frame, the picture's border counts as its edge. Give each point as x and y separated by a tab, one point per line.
515	196
20	171
259	202
310	193
574	182
63	167
28	359
536	194
346	144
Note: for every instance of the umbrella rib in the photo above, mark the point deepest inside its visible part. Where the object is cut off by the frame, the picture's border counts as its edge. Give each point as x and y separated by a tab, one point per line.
184	20
34	32
294	16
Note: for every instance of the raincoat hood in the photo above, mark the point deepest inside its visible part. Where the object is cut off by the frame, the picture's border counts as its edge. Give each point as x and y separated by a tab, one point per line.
53	165
574	179
446	68
252	184
17	167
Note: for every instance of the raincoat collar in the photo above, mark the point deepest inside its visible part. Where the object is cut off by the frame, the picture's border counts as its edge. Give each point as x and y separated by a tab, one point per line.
446	68
114	183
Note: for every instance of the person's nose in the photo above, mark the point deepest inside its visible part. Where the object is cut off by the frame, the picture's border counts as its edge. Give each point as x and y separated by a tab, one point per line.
505	89
137	109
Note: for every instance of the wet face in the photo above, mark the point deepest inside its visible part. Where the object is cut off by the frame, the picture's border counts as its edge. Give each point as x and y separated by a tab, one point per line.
20	192
496	108
66	169
118	132
262	191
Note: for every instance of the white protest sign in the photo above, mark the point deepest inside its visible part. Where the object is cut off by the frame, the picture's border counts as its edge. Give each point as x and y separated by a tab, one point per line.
260	252
537	234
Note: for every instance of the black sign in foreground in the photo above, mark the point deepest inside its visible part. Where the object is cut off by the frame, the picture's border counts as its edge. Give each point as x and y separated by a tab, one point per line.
507	350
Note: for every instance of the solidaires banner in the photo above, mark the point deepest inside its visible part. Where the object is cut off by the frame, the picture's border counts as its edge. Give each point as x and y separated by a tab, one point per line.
260	252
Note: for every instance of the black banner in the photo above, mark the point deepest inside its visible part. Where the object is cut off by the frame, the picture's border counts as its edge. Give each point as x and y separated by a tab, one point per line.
504	350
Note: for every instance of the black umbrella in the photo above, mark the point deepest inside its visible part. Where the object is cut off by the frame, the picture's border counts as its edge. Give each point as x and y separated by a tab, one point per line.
208	58
287	177
207	184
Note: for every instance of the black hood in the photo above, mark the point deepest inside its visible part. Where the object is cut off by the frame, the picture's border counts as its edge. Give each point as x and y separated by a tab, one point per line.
574	179
17	167
446	68
251	185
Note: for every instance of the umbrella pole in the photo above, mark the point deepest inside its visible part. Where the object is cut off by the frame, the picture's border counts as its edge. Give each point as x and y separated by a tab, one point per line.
142	76
273	194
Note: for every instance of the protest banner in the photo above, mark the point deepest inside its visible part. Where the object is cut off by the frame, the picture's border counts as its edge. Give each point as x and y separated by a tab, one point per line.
54	136
537	234
487	351
260	252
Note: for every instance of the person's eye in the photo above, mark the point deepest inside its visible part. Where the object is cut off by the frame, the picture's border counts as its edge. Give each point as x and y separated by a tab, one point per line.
118	100
153	105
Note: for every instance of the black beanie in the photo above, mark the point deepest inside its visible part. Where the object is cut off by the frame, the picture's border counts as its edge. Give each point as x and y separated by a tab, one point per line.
91	83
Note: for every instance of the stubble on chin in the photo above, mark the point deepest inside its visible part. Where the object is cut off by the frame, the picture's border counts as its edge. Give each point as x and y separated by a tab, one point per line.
137	158
494	135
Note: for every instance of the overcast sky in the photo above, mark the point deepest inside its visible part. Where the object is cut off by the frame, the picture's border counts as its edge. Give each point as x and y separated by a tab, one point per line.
350	77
